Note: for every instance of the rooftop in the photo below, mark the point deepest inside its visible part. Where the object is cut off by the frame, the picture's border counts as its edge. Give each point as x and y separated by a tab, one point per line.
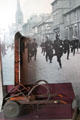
72	9
53	2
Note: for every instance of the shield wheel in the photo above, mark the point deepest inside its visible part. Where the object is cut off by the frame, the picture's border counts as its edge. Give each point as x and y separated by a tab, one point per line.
11	109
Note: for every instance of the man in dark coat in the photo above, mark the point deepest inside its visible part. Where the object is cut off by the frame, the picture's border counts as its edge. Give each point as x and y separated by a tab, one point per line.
43	47
58	47
34	48
29	47
49	50
66	46
73	46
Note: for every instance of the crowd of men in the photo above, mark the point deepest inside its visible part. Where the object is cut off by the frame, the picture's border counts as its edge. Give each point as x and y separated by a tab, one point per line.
32	49
31	45
49	48
58	48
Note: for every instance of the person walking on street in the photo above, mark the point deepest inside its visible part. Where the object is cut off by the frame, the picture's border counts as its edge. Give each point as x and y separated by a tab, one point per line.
66	46
34	48
49	50
58	47
29	47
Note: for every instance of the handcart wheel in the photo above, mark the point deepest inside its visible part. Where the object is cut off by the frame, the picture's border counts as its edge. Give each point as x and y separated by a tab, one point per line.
11	109
38	83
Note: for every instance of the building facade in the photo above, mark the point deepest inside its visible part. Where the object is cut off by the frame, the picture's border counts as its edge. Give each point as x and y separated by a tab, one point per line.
66	18
43	29
27	28
65	21
58	9
35	26
72	20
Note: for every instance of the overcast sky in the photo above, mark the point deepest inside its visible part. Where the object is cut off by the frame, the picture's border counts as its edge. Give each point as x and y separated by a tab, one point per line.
28	7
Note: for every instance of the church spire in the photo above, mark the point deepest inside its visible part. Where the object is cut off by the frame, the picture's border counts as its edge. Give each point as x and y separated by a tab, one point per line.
19	14
18	5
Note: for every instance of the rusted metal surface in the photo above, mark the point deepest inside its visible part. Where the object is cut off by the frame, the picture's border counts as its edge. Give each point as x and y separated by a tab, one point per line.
21	58
17	59
38	102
